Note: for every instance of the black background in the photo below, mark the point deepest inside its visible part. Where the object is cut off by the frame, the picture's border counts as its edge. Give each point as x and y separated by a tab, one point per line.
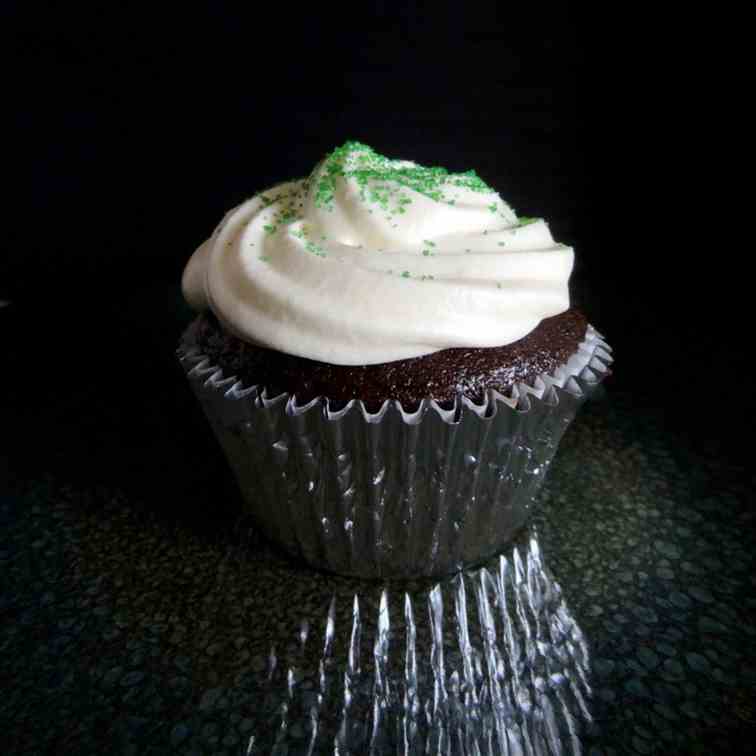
134	130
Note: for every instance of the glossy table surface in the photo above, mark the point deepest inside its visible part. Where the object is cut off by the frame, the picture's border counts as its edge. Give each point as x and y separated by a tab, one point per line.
142	614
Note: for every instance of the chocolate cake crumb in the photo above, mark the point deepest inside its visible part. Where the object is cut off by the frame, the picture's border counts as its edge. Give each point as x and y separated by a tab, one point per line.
442	375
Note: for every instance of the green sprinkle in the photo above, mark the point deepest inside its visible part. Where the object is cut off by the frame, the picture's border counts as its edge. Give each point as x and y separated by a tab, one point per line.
315	249
502	244
498	285
381	183
525	221
405	274
264	258
381	179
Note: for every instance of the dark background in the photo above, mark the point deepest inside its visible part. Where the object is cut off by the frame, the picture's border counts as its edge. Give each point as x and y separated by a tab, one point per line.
134	130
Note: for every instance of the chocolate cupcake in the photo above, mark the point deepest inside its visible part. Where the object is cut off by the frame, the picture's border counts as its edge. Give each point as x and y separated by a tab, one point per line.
388	357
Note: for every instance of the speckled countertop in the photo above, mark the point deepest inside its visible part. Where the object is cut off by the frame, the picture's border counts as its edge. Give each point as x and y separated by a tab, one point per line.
139	610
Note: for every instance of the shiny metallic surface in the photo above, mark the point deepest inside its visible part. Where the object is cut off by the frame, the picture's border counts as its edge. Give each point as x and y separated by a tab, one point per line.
393	494
488	662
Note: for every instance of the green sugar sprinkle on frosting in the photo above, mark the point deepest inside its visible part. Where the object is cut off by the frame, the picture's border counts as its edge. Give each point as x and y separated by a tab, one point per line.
381	180
383	185
312	247
315	249
286	210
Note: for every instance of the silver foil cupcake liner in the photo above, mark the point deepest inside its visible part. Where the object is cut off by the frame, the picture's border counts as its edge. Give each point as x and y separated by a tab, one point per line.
392	493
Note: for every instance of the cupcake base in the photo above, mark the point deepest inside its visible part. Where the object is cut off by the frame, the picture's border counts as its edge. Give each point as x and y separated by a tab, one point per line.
441	375
392	493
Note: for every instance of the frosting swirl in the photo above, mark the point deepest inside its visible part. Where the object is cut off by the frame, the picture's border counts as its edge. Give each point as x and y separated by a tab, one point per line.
372	260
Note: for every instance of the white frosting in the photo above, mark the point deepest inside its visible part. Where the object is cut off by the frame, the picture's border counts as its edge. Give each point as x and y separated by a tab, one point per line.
372	260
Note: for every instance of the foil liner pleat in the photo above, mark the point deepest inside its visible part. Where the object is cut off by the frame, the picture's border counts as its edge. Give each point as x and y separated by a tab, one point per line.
489	662
394	493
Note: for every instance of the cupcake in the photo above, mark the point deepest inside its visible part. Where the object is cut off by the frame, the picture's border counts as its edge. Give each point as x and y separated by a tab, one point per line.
388	356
